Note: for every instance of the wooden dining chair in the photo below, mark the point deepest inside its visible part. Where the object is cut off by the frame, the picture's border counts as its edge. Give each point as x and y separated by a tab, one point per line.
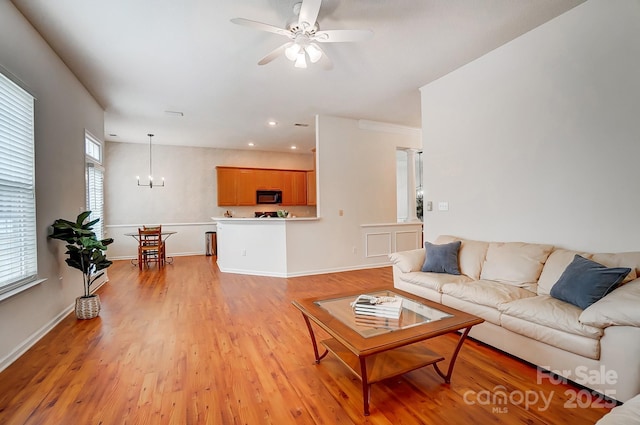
150	246
164	245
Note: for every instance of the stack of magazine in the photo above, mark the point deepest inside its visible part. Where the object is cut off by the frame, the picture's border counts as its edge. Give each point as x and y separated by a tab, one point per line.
368	308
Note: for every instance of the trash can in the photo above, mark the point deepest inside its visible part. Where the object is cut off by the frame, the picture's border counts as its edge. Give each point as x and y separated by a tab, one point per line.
210	243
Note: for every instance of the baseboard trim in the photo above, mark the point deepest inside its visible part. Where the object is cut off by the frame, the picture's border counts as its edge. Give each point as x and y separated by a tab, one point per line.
34	338
169	254
40	333
306	272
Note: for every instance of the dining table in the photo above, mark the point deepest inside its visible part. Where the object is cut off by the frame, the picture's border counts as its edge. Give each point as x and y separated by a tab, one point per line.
165	234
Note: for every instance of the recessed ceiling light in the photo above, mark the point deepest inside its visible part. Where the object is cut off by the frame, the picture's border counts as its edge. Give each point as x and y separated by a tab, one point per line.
294	147
251	144
272	123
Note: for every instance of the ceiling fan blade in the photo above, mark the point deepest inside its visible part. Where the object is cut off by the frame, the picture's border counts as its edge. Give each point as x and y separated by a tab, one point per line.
309	12
274	53
340	36
260	26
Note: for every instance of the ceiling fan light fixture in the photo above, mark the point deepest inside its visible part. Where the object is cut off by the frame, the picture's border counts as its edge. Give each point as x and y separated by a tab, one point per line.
304	36
314	52
301	61
292	51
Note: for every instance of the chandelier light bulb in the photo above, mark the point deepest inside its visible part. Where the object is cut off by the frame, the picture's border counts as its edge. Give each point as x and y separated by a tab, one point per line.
314	52
292	51
301	61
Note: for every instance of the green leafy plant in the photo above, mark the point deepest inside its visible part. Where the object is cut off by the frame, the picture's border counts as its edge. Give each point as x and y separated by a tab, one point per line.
86	253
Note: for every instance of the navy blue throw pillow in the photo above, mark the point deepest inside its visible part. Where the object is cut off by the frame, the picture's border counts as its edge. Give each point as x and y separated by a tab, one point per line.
584	282
441	258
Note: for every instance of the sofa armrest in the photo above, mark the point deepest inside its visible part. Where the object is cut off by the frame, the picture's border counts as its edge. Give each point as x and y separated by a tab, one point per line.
619	308
408	261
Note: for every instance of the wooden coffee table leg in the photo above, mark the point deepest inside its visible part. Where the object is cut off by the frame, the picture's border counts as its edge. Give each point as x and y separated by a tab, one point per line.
452	362
313	341
366	388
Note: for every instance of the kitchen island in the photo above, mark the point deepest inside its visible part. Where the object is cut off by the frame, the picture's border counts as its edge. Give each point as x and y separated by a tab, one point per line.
288	247
258	246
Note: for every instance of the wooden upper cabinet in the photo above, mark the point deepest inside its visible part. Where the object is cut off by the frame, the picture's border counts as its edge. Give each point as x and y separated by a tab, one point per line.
300	187
237	186
311	188
294	190
226	186
269	179
246	186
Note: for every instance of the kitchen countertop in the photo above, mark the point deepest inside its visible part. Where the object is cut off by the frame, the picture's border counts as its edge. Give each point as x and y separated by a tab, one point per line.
263	219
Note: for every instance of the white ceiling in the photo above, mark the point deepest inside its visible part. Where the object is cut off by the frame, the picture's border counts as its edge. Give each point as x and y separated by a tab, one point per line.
140	58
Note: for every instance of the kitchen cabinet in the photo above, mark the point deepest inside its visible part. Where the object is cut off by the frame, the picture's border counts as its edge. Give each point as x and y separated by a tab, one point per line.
311	188
269	179
294	190
237	186
246	186
227	186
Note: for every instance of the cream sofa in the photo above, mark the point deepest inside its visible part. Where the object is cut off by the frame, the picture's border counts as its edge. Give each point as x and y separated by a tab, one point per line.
626	414
509	285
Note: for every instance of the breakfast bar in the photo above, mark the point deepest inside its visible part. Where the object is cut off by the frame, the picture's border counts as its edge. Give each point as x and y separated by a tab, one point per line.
258	246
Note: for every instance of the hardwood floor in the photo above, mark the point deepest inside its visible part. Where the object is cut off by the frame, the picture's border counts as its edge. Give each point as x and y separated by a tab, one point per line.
191	345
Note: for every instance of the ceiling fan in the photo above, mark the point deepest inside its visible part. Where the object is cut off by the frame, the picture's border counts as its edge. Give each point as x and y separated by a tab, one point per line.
305	34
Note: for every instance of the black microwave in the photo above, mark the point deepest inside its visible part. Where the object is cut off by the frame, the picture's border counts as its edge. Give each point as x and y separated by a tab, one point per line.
268	196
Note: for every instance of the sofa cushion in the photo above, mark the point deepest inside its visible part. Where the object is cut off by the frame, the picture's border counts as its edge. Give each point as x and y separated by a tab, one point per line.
561	258
553	268
433	281
408	261
619	308
578	344
486	292
550	312
471	255
489	314
441	258
622	259
515	263
584	282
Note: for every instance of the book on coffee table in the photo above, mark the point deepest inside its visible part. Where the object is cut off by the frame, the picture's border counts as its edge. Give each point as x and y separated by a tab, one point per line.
367	305
377	322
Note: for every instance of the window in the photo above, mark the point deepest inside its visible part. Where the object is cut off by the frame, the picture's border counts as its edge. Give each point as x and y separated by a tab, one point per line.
93	148
403	182
18	250
95	182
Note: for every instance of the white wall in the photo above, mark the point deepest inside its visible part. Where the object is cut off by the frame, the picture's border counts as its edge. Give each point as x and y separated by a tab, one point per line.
539	140
189	198
402	200
356	175
63	110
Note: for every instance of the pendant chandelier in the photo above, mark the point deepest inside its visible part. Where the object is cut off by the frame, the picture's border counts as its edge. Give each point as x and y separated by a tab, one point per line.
150	184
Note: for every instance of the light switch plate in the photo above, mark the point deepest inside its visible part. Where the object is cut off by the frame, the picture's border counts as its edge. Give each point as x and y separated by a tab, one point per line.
443	206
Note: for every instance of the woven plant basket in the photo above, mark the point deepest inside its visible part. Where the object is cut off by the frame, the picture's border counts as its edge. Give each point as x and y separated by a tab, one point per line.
87	307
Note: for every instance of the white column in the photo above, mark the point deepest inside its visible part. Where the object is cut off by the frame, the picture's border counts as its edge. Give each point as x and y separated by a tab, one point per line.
411	185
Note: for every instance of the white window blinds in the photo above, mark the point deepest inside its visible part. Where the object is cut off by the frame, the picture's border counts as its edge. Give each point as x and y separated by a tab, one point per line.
95	182
95	196
18	251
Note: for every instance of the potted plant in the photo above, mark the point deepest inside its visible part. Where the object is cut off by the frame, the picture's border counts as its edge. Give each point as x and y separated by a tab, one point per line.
85	253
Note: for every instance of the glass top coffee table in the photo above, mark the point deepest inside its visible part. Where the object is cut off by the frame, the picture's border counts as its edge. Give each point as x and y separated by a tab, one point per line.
376	348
